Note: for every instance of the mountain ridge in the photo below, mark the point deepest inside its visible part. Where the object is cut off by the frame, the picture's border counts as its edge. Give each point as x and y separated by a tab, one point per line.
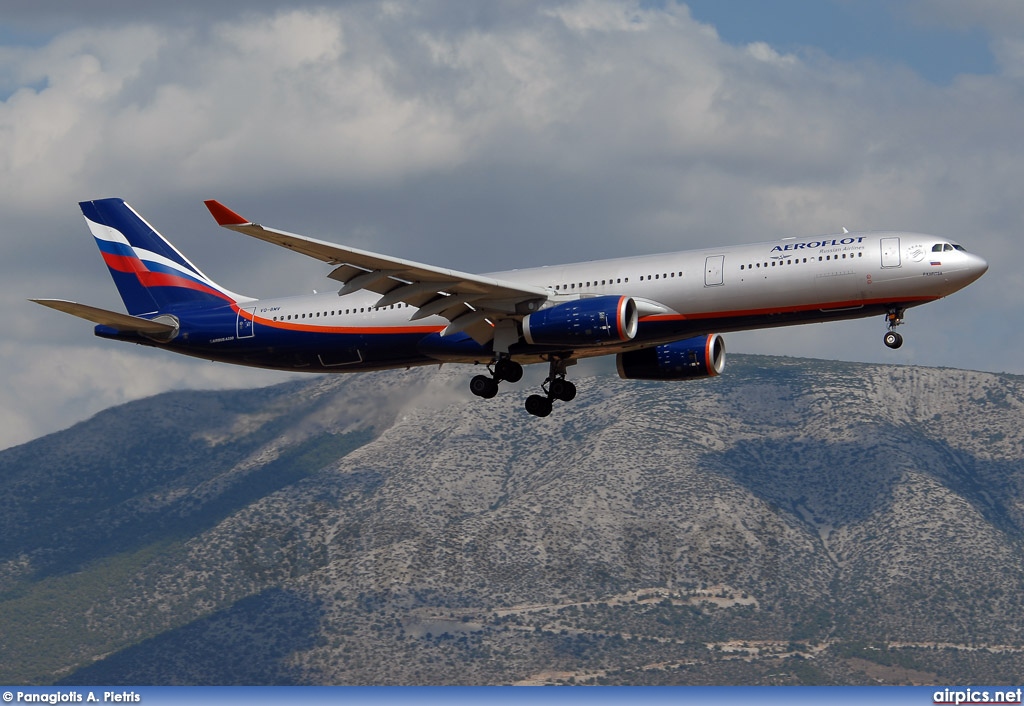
822	521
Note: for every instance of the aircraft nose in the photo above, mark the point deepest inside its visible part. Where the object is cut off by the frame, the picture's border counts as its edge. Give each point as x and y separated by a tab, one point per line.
976	267
979	265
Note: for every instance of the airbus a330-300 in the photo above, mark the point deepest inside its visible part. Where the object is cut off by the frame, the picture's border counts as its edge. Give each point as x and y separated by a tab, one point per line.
662	316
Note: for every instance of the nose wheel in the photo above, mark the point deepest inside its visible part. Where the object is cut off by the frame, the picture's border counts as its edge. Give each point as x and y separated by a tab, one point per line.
894	318
893	339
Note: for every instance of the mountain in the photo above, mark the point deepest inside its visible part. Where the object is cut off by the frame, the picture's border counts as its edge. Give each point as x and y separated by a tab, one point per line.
790	522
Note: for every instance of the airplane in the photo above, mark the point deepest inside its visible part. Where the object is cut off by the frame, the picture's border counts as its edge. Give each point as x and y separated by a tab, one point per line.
662	316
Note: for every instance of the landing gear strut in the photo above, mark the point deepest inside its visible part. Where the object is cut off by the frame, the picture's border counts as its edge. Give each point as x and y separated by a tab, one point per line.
556	387
894	319
504	369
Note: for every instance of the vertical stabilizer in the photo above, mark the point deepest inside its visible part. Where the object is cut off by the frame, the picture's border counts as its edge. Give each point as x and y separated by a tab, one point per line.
150	274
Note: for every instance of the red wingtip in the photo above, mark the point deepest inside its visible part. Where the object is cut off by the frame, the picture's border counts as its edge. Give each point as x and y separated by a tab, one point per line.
224	215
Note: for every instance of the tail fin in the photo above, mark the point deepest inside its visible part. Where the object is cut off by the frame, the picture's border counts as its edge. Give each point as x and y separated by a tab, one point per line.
150	274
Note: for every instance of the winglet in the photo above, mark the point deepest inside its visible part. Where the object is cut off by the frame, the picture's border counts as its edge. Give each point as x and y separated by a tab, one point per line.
224	215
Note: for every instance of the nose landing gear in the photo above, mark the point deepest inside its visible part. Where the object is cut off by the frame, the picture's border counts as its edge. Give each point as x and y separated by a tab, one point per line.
894	318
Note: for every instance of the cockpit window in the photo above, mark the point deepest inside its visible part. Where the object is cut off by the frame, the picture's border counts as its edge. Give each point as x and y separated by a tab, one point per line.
946	247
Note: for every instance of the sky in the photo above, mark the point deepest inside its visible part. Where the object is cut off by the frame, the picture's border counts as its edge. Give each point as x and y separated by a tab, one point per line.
489	136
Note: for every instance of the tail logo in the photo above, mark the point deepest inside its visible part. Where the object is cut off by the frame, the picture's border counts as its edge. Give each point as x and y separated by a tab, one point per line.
150	274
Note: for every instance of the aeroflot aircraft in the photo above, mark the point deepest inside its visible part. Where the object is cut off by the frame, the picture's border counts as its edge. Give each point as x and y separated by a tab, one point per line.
660	315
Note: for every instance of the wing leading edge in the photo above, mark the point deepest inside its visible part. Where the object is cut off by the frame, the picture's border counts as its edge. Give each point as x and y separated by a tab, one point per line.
470	303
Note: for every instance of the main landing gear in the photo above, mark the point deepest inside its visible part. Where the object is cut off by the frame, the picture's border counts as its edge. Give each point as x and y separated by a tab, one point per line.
894	319
556	387
504	369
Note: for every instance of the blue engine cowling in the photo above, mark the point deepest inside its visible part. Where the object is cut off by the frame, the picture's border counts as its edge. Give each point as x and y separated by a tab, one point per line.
583	322
699	357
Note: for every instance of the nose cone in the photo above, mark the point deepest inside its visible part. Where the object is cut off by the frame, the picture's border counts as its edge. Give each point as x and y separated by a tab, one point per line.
976	265
962	269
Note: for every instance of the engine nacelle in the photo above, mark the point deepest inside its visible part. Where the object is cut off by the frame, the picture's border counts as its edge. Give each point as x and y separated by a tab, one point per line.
583	322
703	356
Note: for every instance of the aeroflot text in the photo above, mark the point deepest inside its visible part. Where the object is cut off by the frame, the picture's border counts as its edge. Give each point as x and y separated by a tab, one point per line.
818	244
969	696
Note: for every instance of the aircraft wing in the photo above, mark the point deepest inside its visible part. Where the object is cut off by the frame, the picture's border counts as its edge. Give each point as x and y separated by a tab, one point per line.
121	322
471	303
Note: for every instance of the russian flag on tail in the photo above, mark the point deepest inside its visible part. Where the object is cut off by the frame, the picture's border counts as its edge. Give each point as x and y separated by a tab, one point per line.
151	275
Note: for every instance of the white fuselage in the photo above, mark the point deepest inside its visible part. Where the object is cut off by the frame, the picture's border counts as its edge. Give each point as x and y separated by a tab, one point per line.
784	282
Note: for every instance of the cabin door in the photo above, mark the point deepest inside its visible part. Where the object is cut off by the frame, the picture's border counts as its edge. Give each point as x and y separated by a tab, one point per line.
890	252
714	267
244	328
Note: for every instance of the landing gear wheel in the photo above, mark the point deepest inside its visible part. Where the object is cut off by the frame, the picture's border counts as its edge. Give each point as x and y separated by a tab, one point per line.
483	386
562	389
538	405
893	340
509	370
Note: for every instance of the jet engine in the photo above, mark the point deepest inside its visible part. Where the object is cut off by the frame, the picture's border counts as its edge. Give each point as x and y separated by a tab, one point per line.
703	356
583	322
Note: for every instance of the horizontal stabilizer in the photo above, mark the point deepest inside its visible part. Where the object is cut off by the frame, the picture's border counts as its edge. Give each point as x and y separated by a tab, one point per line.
121	322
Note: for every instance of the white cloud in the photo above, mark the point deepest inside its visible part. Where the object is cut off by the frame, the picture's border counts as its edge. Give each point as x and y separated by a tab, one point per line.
49	387
518	134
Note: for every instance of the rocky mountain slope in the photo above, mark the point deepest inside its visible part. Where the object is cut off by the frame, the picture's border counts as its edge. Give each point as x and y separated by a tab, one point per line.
792	521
